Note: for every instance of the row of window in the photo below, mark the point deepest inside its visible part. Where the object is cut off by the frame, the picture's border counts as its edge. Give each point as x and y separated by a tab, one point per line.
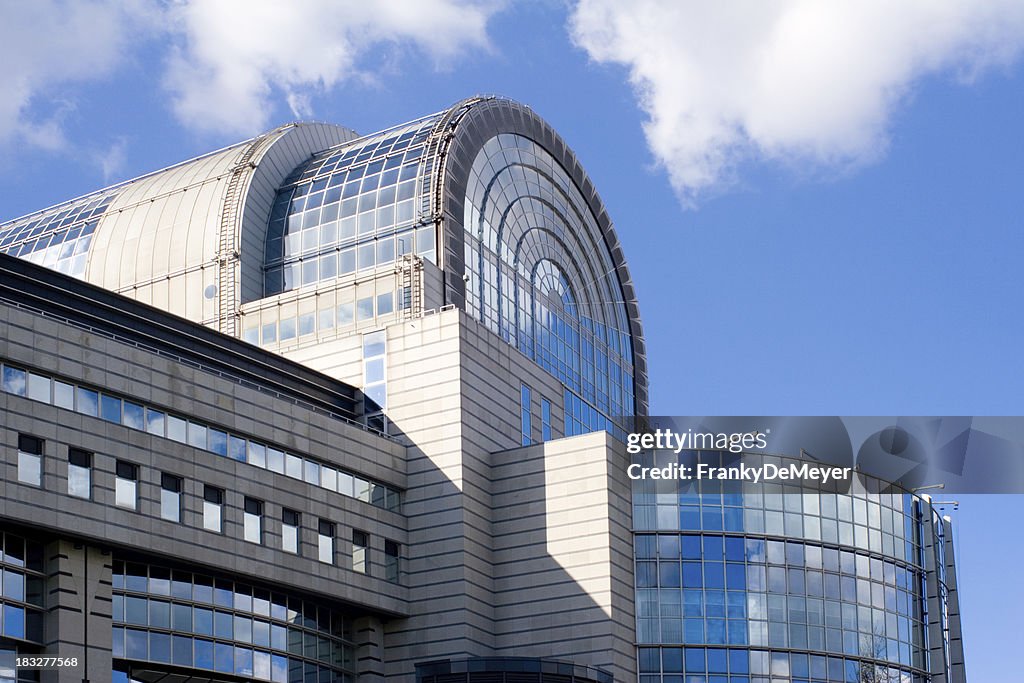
756	521
135	415
195	620
211	655
871	515
720	665
58	238
774	553
369	254
867	502
370	189
126	495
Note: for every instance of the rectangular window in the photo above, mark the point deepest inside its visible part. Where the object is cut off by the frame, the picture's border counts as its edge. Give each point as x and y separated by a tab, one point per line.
253	520
545	419
110	408
524	409
325	541
15	380
79	473
126	485
38	387
63	395
30	460
360	552
213	508
170	497
290	531
391	561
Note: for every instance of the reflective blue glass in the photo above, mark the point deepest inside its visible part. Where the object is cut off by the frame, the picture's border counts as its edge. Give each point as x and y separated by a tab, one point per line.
540	276
360	193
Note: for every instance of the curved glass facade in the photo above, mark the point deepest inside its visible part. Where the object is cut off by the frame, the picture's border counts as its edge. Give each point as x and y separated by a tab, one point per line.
540	276
769	583
348	209
58	238
197	621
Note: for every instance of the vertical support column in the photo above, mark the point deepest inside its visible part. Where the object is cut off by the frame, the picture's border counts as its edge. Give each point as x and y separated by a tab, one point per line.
934	574
369	636
77	622
958	673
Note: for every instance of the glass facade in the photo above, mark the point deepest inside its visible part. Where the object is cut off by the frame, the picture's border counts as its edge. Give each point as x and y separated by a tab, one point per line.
59	237
349	209
540	276
193	620
769	583
21	589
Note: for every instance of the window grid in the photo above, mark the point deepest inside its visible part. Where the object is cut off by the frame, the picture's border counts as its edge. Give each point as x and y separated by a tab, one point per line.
176	617
525	221
726	665
340	212
21	588
779	567
57	238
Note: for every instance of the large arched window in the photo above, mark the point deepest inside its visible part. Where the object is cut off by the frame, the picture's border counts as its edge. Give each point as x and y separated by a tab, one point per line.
540	276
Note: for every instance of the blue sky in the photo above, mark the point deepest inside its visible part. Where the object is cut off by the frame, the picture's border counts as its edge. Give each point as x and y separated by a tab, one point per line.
821	208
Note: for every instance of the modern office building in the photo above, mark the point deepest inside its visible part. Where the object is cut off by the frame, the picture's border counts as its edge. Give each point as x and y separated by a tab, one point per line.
322	407
784	582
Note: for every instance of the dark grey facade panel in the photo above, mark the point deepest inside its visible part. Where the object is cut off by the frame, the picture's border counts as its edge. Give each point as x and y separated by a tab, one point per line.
84	305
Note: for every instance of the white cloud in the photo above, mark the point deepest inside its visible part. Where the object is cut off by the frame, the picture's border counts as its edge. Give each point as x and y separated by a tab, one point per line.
234	56
111	161
226	63
46	45
793	81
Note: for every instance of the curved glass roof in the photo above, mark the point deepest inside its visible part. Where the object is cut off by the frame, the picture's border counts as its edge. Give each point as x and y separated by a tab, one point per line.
58	237
349	208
